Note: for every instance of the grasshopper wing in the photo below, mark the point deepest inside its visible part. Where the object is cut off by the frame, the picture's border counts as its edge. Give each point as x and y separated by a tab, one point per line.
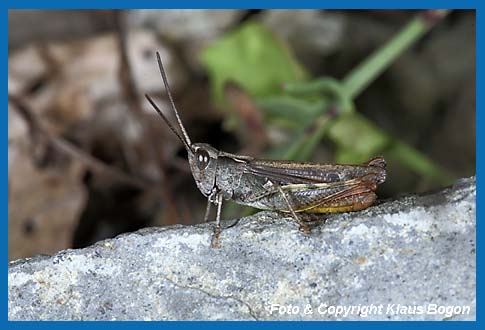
289	172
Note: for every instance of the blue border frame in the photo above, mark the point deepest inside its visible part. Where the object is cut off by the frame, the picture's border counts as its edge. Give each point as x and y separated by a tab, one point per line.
342	4
194	4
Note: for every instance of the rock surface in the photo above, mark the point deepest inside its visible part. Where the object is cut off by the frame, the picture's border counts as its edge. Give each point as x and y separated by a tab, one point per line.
413	256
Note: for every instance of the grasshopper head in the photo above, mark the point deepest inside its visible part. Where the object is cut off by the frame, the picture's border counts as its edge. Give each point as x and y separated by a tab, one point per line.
203	164
202	157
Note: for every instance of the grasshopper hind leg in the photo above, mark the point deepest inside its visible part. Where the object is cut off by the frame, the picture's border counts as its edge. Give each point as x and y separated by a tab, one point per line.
303	225
313	220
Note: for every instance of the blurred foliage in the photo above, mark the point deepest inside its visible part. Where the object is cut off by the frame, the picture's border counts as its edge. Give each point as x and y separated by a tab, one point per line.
321	108
253	58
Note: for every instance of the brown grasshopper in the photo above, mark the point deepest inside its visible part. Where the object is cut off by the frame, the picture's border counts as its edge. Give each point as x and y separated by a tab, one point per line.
278	185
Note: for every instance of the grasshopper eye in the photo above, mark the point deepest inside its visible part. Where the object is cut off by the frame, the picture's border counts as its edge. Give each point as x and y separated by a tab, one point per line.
203	159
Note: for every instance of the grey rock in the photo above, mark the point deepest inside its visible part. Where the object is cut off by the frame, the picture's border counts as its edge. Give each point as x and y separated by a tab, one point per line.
415	252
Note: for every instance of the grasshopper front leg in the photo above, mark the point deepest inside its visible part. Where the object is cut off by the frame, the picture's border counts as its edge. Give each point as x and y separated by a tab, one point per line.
211	198
208	209
217	227
214	197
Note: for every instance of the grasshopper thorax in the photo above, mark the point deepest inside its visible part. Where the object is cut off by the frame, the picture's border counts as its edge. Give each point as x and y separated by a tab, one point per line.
203	164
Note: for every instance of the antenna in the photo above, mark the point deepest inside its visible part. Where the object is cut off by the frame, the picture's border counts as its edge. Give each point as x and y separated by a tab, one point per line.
157	109
167	88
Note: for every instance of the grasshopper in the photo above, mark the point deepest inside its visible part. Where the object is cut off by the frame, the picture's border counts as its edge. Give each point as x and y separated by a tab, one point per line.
278	185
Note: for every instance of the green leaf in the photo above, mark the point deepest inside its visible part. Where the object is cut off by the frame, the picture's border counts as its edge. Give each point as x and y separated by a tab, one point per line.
254	58
358	138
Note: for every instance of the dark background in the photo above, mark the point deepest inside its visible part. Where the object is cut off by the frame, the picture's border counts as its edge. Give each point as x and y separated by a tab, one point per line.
89	159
